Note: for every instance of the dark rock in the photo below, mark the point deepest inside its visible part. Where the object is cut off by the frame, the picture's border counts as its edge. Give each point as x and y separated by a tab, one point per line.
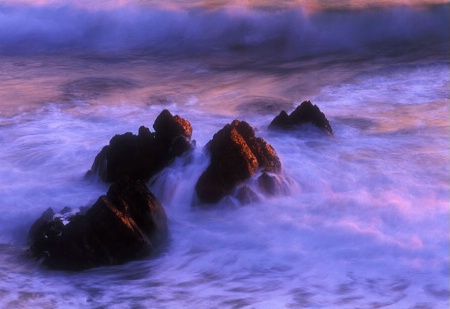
126	224
271	185
141	156
246	196
66	210
236	155
172	137
303	114
45	234
37	225
282	121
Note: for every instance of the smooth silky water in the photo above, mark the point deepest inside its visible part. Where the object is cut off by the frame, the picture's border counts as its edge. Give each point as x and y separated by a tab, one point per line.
366	223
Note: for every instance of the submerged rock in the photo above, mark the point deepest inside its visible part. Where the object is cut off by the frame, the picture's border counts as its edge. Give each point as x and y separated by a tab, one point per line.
141	156
236	155
245	195
304	113
272	185
128	223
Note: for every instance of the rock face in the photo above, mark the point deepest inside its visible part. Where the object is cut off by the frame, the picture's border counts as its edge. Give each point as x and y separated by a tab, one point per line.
236	155
141	156
127	223
303	114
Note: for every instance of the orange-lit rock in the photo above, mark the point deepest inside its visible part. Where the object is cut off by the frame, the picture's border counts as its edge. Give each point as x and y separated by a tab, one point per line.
141	156
236	155
128	223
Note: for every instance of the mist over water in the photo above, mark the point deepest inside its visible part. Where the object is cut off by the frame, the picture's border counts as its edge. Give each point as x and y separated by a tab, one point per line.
365	224
288	31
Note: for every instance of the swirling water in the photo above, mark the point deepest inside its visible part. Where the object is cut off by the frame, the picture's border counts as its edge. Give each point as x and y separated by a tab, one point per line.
366	223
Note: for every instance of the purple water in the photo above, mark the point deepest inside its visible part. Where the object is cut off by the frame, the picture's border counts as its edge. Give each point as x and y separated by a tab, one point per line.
367	222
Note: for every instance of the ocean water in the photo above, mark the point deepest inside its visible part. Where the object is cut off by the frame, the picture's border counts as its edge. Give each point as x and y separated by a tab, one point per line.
366	222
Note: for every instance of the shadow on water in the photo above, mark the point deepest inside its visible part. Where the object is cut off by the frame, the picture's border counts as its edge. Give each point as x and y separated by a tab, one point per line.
358	122
264	105
88	88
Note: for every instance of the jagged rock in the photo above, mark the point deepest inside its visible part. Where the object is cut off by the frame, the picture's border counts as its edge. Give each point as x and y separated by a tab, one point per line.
127	223
35	229
141	156
236	155
172	135
303	114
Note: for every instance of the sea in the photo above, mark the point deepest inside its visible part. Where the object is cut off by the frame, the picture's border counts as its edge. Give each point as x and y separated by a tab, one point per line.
366	221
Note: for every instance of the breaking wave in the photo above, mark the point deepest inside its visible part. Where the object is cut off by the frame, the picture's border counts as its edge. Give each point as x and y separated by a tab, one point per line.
286	32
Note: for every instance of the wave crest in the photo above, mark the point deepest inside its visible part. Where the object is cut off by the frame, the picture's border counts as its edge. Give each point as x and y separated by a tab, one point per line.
288	32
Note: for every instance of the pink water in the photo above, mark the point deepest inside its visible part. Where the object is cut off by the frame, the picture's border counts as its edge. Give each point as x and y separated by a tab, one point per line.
366	224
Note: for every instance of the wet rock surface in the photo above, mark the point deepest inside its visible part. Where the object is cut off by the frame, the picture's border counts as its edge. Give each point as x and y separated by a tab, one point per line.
305	113
141	156
126	223
236	155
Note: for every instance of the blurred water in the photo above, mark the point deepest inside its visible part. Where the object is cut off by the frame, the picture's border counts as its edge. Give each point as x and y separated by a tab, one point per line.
288	31
366	222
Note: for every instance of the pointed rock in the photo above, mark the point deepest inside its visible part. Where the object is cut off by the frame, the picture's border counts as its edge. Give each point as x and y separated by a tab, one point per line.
303	114
236	155
141	156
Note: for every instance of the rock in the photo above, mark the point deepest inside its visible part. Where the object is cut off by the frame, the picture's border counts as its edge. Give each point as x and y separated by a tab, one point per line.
303	114
272	185
37	225
172	133
141	156
128	223
246	196
282	121
236	155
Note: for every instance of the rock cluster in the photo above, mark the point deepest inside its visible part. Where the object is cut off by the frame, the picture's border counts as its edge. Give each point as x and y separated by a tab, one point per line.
129	222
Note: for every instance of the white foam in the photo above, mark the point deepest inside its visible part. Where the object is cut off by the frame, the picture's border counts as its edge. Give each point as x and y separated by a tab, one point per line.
366	225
